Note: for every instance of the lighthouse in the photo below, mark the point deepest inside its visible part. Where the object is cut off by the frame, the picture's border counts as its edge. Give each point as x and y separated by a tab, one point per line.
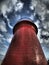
25	48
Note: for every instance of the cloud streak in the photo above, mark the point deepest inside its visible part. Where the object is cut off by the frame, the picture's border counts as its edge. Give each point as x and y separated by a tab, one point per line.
3	26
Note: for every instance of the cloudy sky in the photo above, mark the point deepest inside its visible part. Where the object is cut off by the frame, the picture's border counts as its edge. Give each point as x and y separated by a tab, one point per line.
11	11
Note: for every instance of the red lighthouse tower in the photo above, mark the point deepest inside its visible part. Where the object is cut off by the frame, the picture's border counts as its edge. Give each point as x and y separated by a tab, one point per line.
25	48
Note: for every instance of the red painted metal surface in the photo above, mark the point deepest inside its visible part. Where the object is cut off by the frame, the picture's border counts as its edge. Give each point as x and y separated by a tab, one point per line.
25	48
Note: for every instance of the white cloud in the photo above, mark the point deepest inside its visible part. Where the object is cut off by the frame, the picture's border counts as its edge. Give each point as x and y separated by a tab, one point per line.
6	46
14	1
37	23
7	6
45	33
4	7
3	52
33	4
9	37
38	35
31	17
19	6
45	1
3	26
10	25
46	52
1	35
31	7
40	8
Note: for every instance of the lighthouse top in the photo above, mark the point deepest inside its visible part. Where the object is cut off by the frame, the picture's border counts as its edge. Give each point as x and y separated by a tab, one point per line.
24	22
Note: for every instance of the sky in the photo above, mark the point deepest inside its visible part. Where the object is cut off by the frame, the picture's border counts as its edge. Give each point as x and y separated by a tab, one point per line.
11	11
